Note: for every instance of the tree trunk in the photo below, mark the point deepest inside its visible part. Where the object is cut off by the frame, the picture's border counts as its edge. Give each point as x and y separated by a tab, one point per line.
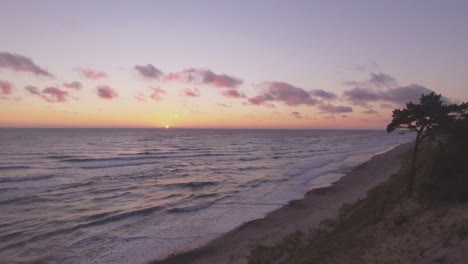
412	175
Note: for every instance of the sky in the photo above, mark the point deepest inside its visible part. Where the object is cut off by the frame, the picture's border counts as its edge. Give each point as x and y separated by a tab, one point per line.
226	64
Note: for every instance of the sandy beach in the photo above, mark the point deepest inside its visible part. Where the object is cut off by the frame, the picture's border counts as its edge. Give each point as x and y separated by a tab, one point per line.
317	205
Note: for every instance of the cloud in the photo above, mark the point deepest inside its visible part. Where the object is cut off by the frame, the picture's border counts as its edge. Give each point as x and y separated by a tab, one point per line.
191	92
140	97
407	93
204	76
359	95
323	94
359	67
370	112
55	94
398	95
92	74
364	67
156	94
376	80
284	93
233	93
223	105
73	85
106	92
385	105
382	80
6	87
19	63
329	108
296	115
149	71
33	90
49	94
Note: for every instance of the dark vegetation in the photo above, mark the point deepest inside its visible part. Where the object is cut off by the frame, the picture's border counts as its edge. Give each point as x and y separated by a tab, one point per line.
386	226
425	118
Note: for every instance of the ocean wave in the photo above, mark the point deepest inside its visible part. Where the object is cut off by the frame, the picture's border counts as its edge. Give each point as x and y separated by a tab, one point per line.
9	236
96	216
70	186
24	200
205	195
103	159
14	167
192	184
255	183
60	157
117	217
249	158
138	153
116	165
25	178
130	158
193	148
252	168
190	208
318	150
7	189
144	212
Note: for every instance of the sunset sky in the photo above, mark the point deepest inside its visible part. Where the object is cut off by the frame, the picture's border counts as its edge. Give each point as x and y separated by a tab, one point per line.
239	64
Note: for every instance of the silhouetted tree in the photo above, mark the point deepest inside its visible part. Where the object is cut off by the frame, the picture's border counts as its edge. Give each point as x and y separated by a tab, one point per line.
463	111
430	114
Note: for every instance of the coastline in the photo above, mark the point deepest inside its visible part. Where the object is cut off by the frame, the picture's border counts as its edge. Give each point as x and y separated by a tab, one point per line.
303	214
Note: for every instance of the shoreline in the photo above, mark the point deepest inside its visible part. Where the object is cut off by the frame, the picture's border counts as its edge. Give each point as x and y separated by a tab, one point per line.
317	204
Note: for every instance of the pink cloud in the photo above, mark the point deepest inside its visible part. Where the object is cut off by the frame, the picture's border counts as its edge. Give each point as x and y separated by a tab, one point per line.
191	92
174	76
149	71
284	93
233	93
49	94
140	97
6	87
54	94
92	74
106	92
323	94
73	85
204	76
157	93
19	63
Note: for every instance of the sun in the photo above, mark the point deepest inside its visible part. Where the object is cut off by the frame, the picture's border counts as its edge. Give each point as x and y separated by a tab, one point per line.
167	126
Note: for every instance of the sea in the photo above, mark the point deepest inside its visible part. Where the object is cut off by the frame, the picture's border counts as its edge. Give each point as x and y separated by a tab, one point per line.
134	195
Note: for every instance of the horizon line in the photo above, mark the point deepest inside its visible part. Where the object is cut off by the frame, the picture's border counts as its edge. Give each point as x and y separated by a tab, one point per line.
180	128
